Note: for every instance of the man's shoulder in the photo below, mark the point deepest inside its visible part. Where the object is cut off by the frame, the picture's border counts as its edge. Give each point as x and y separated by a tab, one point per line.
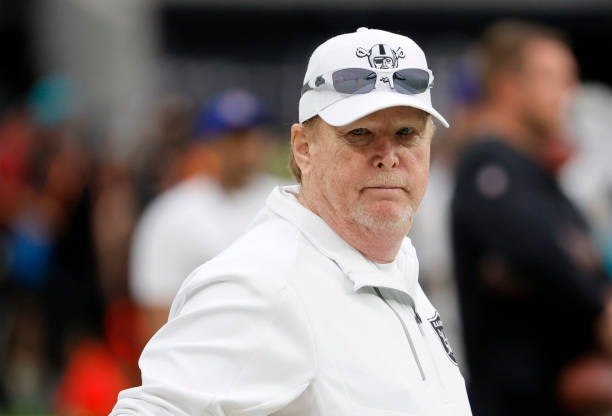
263	258
271	238
181	203
490	175
490	166
485	149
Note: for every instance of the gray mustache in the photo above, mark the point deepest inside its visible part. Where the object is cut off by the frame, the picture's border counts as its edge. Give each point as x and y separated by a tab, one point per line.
385	180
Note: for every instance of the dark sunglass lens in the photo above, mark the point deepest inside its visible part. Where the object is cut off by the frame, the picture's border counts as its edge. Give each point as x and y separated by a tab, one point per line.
411	81
354	80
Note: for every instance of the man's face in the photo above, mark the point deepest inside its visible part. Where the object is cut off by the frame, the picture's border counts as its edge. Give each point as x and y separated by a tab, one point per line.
546	83
240	154
371	173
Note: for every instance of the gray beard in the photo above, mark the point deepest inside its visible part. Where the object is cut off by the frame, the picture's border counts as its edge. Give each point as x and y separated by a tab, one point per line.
379	223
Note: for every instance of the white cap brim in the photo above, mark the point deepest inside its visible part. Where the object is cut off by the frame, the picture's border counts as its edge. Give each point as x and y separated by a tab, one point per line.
356	106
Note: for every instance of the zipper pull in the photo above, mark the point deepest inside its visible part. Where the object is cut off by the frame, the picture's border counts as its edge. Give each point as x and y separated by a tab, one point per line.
419	322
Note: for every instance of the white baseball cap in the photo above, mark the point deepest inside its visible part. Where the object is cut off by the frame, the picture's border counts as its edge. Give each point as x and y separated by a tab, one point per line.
373	49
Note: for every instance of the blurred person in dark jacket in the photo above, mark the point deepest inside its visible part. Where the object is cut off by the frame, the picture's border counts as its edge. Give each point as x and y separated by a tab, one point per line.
532	287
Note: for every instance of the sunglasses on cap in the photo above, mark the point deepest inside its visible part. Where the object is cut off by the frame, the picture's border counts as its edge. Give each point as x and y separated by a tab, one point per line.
362	81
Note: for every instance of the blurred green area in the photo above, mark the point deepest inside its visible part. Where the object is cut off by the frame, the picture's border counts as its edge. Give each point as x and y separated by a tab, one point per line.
277	161
25	409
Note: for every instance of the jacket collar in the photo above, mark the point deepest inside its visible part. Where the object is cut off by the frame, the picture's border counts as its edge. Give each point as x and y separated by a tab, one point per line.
361	271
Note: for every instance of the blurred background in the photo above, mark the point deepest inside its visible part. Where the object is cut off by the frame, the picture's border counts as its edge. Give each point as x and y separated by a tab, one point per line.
98	101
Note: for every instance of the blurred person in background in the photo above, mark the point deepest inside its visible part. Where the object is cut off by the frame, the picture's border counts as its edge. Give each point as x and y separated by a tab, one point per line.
222	189
66	329
533	291
99	365
50	287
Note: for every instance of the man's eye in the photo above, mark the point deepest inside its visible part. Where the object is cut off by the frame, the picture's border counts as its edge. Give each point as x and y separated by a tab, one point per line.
358	137
406	131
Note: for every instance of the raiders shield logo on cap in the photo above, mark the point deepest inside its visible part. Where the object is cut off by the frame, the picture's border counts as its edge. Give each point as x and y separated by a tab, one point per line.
381	56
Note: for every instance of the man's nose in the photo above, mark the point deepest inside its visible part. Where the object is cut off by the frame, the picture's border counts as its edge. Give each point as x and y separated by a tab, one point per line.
385	154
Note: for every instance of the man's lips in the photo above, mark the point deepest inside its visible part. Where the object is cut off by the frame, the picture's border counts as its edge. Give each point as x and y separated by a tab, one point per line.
385	188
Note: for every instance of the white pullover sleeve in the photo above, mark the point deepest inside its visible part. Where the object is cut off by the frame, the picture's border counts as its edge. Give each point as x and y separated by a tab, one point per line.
235	344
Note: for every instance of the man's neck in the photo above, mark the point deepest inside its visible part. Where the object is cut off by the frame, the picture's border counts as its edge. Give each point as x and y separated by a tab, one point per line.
512	130
380	245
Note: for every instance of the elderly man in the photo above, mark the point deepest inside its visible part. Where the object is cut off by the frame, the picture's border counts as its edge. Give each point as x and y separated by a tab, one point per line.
317	310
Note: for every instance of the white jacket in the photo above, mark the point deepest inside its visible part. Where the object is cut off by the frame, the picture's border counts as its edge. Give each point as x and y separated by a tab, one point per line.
291	320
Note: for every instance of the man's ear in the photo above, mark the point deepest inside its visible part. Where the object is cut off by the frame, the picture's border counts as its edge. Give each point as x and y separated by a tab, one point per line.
300	146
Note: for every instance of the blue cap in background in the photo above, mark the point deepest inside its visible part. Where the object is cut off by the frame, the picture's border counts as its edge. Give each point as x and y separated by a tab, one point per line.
232	110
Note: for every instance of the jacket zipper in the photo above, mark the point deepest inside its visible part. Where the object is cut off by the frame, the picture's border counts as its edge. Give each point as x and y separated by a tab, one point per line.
412	347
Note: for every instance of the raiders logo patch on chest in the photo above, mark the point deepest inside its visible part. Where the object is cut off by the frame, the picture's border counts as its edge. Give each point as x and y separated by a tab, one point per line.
438	326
